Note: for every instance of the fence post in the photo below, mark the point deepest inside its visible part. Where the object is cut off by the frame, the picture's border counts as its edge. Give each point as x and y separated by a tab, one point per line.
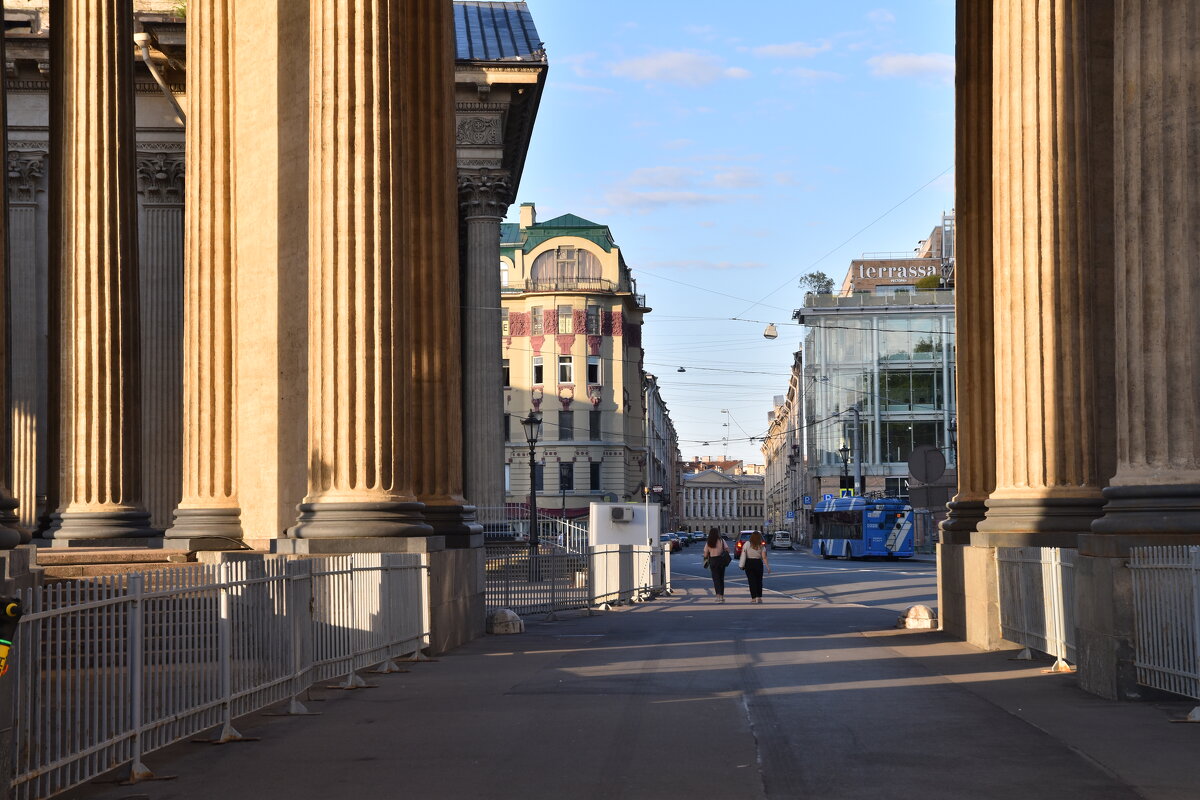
137	645
300	617
225	654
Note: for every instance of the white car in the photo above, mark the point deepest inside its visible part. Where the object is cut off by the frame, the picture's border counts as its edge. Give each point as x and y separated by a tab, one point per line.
781	540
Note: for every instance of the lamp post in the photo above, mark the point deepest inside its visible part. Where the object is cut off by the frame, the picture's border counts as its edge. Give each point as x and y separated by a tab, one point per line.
845	451
533	431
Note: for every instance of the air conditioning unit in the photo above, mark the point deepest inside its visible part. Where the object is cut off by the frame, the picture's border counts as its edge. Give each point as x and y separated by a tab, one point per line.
622	514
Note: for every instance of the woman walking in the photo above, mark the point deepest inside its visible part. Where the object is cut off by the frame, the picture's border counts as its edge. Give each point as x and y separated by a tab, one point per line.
754	560
717	558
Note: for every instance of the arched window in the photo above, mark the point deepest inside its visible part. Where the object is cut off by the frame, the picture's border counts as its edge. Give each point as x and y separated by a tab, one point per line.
503	273
565	266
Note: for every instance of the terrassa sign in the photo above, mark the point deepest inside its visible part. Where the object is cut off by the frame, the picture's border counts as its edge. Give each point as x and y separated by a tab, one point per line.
900	271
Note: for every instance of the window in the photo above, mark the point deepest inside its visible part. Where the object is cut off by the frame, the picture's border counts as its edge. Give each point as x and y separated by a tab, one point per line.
503	272
594	432
566	369
539	476
538	372
535	321
566	425
508	427
593	320
566	320
504	329
594	476
566	476
505	373
593	369
896	487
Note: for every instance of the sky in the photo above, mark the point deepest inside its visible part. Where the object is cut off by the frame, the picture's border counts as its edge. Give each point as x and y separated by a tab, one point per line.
733	148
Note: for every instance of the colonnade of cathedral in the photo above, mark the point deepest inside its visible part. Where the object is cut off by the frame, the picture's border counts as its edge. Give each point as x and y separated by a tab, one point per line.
319	292
1077	182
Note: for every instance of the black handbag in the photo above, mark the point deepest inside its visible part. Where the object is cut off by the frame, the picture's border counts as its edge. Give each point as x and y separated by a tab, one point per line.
724	559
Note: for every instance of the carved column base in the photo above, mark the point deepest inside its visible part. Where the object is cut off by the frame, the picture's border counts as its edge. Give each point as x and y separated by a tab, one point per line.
962	521
1163	508
129	523
11	532
1036	521
455	522
206	523
359	520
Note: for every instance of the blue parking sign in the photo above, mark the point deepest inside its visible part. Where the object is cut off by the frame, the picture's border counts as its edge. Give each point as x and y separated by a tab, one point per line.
791	515
827	497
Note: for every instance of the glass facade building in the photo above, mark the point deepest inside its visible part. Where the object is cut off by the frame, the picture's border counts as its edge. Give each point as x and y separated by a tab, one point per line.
893	358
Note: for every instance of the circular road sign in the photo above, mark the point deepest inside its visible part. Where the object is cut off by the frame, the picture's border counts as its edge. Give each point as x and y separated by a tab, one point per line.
926	463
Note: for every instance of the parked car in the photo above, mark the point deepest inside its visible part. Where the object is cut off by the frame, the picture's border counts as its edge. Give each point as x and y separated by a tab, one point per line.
742	538
683	538
781	540
667	538
699	536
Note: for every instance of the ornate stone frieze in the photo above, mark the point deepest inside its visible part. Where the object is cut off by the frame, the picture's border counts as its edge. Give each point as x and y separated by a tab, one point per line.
26	176
160	179
485	194
480	163
479	131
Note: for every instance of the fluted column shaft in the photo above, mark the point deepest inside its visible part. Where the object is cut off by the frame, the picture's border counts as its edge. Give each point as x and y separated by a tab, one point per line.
100	491
976	443
10	532
359	483
209	506
1157	484
1053	307
431	238
484	201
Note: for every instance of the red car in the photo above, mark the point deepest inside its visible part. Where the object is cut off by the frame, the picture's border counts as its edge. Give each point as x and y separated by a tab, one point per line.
742	538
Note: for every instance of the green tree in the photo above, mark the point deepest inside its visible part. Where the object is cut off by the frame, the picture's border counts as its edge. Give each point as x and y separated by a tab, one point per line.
817	282
930	282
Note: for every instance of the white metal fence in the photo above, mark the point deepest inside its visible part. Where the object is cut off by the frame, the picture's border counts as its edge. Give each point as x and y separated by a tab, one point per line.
1037	599
511	523
557	581
110	669
1166	600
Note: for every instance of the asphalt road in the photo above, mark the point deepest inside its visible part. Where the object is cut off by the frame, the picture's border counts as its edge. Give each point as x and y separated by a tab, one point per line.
795	574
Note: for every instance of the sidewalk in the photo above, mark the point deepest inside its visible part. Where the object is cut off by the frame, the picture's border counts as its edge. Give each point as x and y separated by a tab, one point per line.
684	698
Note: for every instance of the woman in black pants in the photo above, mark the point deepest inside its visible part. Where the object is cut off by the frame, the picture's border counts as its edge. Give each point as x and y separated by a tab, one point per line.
754	554
717	554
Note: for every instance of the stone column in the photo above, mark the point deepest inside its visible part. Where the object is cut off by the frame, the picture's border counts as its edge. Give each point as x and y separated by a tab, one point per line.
161	297
100	491
359	474
1053	298
971	610
11	533
27	320
209	507
1154	496
1156	489
484	197
431	254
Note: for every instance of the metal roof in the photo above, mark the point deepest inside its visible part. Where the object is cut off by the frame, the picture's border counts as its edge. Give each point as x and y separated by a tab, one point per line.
496	32
857	503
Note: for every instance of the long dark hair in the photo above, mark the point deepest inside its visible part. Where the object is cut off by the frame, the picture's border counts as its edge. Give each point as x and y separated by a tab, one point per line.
714	536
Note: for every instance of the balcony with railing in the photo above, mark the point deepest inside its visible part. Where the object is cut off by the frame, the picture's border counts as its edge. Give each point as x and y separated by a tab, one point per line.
563	284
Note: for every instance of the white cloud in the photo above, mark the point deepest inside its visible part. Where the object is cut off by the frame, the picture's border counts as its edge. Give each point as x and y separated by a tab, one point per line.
682	67
881	16
662	177
790	50
737	178
678	144
939	66
628	198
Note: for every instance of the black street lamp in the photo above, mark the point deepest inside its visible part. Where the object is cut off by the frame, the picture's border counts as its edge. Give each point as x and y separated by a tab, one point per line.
845	451
533	431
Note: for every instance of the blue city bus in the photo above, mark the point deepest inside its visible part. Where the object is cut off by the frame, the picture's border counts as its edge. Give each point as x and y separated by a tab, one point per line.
858	527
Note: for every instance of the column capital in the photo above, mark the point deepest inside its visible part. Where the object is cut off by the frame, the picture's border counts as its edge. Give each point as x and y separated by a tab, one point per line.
160	178
26	176
486	193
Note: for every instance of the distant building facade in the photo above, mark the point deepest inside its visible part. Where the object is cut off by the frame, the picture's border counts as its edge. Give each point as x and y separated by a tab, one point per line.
783	455
571	333
885	361
725	501
664	455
